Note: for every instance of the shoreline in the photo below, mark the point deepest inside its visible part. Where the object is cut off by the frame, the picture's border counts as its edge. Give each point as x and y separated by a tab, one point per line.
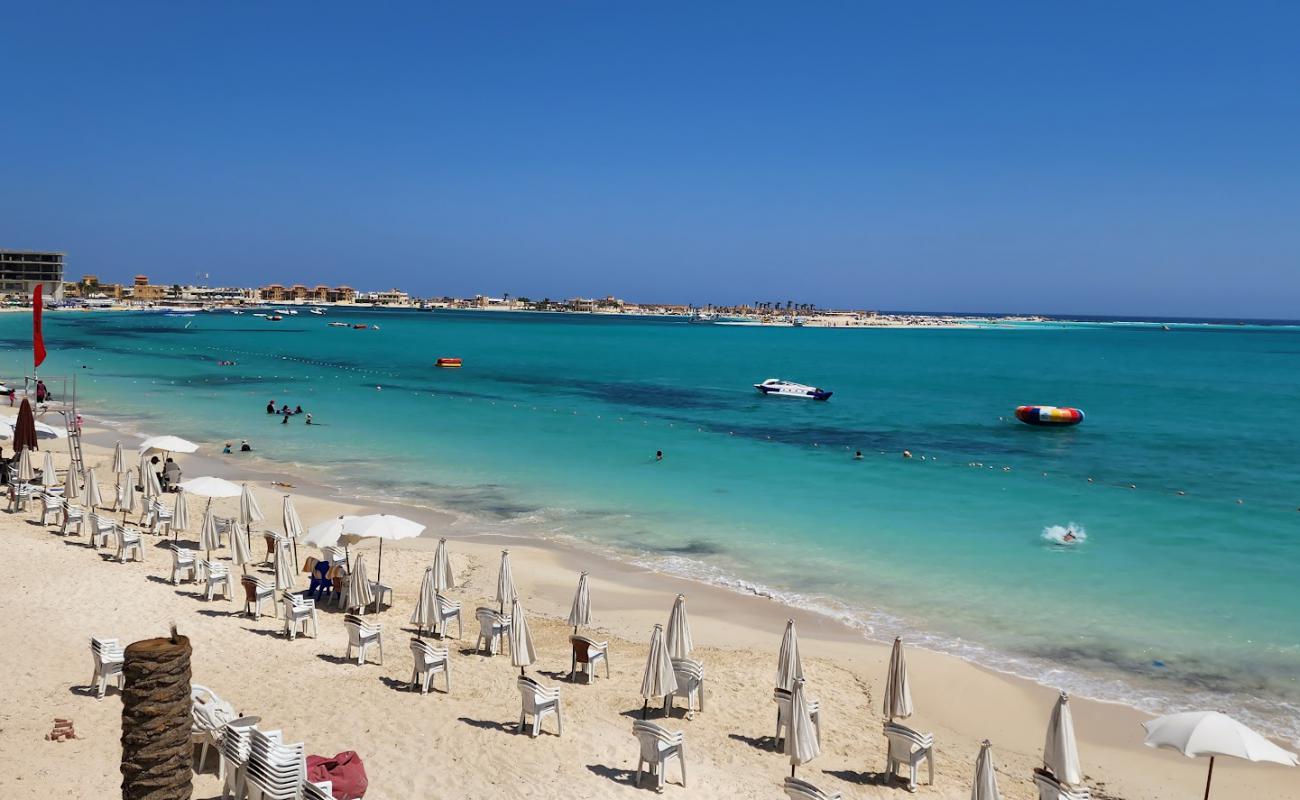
1010	709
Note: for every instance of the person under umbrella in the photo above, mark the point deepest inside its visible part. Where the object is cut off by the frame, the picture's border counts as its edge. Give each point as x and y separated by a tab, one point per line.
350	529
93	498
985	786
789	668
180	515
360	594
680	643
506	592
580	612
802	739
659	679
522	652
443	577
898	690
1197	734
1061	748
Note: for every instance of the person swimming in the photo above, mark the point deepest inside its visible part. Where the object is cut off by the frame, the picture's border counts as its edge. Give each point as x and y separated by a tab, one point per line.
659	455
857	456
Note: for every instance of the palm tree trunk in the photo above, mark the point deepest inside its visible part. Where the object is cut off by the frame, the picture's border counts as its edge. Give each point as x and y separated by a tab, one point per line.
156	750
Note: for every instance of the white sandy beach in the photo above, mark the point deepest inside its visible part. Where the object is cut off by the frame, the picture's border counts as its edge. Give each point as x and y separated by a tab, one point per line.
61	592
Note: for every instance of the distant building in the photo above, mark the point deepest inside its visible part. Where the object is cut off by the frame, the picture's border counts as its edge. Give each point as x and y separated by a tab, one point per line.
22	270
144	292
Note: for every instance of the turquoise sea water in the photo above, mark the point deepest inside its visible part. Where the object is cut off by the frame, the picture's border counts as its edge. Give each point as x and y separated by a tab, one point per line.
552	425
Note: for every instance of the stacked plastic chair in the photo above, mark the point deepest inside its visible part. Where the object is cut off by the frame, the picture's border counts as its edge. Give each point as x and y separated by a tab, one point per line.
109	660
275	771
236	743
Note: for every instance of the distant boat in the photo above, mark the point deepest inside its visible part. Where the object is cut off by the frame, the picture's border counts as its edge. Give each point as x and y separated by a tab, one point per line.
703	319
360	327
274	318
317	311
780	388
337	324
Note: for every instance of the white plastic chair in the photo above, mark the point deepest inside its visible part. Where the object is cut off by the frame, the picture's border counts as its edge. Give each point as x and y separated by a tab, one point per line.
361	635
446	611
159	518
492	626
71	516
586	655
128	544
690	683
216	578
323	790
429	660
658	747
208	717
19	495
109	659
184	566
104	527
539	701
908	748
1049	788
380	590
275	771
796	789
50	504
256	590
783	699
298	611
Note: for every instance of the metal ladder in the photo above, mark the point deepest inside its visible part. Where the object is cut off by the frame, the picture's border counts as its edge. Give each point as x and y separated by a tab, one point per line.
78	464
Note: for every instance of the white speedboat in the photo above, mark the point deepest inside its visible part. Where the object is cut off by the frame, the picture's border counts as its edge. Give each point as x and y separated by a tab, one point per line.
780	388
317	311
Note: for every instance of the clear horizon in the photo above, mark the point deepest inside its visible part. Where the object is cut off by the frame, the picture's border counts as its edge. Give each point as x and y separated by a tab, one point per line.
1129	161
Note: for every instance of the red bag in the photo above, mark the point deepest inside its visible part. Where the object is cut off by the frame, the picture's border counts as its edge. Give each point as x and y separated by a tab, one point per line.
345	770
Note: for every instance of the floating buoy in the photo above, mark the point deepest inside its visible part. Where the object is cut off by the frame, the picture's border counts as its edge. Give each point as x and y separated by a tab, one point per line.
448	362
1049	416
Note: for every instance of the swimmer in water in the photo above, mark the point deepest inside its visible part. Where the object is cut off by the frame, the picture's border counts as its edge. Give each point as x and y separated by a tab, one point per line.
1069	537
659	455
857	456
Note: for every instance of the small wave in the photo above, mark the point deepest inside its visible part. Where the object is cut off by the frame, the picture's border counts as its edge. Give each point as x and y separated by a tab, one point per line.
1067	535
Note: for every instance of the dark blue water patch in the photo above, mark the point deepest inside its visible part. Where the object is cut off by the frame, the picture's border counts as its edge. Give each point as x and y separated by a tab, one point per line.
388	386
696	547
1180	671
642	395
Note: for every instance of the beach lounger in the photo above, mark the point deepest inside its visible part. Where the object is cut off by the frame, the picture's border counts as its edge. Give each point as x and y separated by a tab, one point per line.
446	611
539	702
429	660
129	544
184	565
71	516
658	747
236	741
216	578
796	789
257	589
784	698
275	771
1049	788
690	683
492	625
50	504
109	660
362	635
586	656
908	748
298	611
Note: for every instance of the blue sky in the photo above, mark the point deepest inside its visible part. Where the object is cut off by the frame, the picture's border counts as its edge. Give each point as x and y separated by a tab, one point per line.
1100	157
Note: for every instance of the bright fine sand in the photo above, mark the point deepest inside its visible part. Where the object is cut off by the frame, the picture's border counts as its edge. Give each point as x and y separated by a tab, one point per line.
59	592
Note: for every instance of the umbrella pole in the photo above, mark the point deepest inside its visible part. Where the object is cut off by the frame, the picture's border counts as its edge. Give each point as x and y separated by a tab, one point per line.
792	769
379	573
1208	777
644	706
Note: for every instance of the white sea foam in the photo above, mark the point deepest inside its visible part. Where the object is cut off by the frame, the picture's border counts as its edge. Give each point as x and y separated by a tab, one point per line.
1056	534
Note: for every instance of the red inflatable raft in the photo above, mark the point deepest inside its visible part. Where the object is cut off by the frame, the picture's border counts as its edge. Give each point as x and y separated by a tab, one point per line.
1049	416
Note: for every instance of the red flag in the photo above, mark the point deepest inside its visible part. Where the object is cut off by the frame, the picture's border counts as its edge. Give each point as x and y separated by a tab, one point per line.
38	341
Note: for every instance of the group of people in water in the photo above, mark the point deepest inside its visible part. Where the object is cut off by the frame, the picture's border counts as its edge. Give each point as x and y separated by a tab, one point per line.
285	412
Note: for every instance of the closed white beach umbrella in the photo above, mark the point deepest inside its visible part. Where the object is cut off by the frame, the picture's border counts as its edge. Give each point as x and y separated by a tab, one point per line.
801	739
360	594
166	444
25	472
659	680
985	786
249	510
1061	749
49	475
443	577
93	498
580	612
522	652
789	668
680	643
241	553
292	524
209	540
898	690
119	463
208	486
149	480
505	583
180	514
426	603
284	571
127	494
71	491
1197	734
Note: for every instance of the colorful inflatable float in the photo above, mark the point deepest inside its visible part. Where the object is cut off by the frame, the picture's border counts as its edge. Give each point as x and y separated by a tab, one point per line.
452	363
1049	416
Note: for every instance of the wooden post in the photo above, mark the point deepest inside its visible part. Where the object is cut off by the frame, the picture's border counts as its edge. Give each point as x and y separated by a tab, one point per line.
156	719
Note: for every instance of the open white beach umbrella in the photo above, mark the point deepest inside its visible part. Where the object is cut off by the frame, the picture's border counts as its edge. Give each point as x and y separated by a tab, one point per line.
505	583
659	680
580	611
166	444
119	463
801	742
985	786
180	514
1061	748
680	643
522	652
49	475
426	604
443	577
1197	734
348	530
25	472
898	690
208	486
249	510
43	431
328	533
284	571
789	668
241	552
71	491
360	594
93	498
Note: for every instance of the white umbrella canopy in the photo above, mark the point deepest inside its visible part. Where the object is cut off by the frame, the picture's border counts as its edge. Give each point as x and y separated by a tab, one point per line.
119	463
180	514
659	680
801	737
443	577
680	643
522	652
580	611
49	475
328	533
360	594
70	489
166	444
1197	734
506	592
207	486
43	431
426	604
789	667
93	498
985	786
241	553
1061	748
209	540
25	472
284	571
898	689
249	510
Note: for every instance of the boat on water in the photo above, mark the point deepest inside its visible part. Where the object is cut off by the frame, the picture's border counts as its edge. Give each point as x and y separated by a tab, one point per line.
320	312
337	324
360	327
260	315
780	388
274	318
702	318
